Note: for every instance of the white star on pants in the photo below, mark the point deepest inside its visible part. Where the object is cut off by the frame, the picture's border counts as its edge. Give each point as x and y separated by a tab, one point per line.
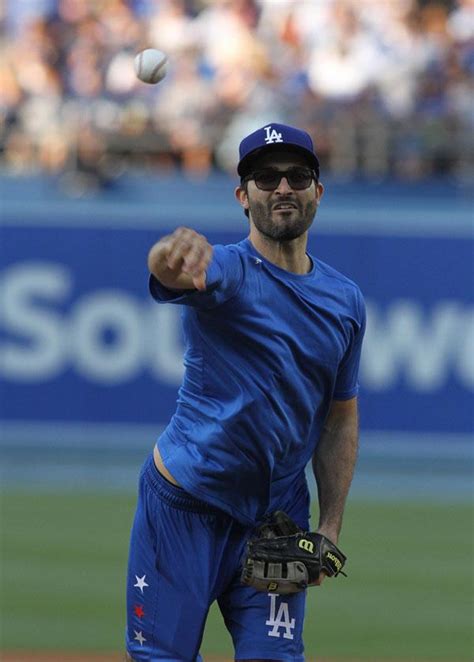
139	637
141	583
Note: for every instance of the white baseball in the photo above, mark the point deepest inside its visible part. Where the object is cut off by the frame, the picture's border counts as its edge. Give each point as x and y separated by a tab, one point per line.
151	65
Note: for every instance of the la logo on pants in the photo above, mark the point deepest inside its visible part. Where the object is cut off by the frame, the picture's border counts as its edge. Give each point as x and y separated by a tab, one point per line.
280	619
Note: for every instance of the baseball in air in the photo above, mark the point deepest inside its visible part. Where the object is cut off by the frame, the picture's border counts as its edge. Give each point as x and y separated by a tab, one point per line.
151	65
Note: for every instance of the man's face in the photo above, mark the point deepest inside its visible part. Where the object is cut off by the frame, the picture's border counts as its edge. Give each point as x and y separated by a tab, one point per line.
284	213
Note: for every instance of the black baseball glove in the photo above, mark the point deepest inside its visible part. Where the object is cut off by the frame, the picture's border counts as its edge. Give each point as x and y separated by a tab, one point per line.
283	558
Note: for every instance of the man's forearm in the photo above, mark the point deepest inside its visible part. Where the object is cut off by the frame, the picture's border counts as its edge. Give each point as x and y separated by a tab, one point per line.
333	465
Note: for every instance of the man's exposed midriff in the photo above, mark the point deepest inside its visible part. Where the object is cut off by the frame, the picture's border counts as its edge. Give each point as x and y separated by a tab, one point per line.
161	467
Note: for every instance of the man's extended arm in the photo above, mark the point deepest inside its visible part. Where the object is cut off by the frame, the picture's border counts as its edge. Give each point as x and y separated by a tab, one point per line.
333	464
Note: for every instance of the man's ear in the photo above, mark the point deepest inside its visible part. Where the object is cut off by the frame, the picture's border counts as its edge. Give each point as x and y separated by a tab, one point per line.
242	197
319	192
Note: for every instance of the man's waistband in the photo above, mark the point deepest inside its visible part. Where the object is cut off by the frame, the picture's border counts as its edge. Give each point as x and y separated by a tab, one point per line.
172	494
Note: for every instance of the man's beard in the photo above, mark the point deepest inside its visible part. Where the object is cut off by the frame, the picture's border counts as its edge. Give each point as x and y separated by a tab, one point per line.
288	227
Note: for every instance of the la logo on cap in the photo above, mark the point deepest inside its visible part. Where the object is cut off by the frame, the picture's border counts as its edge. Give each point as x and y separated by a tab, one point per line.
273	137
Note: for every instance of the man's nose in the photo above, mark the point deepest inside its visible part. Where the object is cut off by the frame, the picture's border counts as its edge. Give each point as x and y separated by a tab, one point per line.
283	186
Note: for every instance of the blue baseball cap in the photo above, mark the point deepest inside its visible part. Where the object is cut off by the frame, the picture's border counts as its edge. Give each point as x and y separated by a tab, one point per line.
272	136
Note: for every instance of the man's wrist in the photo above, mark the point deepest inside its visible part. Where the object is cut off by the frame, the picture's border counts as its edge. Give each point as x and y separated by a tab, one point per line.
330	532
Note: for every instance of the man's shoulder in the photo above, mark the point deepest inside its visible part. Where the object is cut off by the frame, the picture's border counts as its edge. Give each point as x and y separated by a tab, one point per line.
331	273
336	281
232	252
231	248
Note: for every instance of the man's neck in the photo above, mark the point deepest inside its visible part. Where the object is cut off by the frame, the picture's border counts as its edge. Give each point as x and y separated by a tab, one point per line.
288	255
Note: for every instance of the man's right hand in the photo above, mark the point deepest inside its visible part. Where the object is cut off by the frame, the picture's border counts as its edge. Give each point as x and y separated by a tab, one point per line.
179	260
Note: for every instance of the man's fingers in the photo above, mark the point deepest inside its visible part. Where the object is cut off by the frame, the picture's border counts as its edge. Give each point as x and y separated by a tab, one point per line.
197	260
199	273
199	281
188	247
194	258
177	245
177	253
320	579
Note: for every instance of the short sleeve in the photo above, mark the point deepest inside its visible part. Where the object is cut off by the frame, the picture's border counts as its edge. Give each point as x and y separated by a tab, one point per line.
347	385
224	277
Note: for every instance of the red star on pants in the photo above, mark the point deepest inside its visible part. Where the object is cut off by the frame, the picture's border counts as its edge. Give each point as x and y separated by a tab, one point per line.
138	609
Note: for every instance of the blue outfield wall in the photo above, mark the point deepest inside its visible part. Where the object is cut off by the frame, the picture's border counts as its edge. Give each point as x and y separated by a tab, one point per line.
82	342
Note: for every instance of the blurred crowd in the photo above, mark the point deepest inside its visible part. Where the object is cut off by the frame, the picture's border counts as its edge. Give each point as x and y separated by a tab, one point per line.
384	86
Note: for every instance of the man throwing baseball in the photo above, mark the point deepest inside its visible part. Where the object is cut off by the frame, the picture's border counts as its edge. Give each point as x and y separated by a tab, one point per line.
273	341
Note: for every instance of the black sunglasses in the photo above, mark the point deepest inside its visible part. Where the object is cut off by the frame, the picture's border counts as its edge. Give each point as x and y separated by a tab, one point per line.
268	179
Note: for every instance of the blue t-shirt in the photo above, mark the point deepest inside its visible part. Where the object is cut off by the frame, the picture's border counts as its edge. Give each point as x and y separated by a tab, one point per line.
267	351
